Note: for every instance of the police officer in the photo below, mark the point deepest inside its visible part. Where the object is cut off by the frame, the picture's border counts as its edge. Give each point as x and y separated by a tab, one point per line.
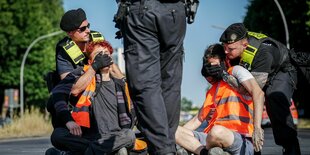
268	60
70	50
153	33
70	60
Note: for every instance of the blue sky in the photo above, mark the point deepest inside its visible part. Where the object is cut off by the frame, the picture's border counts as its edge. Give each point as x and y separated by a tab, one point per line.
199	35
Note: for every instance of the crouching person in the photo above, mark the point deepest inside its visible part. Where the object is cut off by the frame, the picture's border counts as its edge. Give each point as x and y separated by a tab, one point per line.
228	113
101	120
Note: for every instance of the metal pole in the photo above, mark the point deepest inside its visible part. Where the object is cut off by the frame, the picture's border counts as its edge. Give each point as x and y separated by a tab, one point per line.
22	68
218	27
285	24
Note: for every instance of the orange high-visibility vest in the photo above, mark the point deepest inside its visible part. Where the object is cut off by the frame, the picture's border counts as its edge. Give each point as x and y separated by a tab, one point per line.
226	107
80	112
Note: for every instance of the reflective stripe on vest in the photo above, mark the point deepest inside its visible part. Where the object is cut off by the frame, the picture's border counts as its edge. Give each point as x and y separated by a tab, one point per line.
74	52
249	53
231	109
96	36
81	116
80	109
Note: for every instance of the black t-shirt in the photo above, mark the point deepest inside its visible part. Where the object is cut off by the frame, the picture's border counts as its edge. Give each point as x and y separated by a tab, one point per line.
64	63
265	58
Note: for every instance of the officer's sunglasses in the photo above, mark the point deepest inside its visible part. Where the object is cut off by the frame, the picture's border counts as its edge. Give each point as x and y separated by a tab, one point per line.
82	29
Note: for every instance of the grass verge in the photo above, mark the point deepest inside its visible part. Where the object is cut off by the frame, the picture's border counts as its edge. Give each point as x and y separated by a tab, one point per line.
303	123
32	124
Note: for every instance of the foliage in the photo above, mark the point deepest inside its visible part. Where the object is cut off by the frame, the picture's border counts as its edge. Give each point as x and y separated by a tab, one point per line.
22	22
186	105
264	16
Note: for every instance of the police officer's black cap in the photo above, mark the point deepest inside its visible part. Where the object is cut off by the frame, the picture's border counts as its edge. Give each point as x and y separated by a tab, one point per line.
72	19
233	33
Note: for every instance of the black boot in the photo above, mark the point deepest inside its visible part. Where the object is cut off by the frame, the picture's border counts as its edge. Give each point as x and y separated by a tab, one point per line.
293	149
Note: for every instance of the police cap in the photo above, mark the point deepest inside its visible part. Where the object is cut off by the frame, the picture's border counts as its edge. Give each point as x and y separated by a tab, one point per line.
233	33
72	20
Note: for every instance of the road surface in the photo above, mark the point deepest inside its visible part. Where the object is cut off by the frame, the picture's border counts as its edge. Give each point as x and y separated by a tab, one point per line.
37	146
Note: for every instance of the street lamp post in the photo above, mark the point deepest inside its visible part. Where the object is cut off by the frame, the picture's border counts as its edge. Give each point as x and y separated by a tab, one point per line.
23	64
285	24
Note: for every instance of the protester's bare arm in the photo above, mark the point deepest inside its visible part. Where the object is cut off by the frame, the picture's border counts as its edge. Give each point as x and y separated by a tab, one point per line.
193	124
258	98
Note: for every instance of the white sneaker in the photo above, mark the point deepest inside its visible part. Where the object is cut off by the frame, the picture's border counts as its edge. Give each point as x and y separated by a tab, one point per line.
122	151
217	151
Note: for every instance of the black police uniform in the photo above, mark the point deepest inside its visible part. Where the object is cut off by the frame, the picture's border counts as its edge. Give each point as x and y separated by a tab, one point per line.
153	33
64	63
57	105
279	92
272	58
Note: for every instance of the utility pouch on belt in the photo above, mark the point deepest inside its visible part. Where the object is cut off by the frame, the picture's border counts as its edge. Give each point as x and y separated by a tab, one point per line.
122	12
74	52
123	9
301	60
52	79
191	7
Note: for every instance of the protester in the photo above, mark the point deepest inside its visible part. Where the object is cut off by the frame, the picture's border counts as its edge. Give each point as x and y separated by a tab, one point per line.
228	113
269	62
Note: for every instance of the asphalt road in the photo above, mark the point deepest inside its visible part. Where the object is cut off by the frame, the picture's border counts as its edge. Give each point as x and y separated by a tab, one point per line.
37	146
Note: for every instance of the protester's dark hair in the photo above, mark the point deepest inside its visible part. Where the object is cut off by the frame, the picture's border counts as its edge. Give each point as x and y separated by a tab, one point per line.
214	51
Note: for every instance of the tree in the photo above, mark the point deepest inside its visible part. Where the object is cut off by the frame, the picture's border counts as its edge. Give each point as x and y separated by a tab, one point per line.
186	105
22	22
264	16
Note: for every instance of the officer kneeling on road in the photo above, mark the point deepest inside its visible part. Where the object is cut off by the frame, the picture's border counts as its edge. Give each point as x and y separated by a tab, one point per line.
101	120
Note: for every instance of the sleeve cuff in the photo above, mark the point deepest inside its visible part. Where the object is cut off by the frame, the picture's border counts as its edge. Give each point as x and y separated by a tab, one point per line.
65	116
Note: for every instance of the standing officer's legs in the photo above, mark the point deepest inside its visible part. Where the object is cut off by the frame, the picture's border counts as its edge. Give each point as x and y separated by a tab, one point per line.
278	97
144	51
172	28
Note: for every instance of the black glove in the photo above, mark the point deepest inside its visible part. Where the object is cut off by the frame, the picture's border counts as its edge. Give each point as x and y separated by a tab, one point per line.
101	61
212	70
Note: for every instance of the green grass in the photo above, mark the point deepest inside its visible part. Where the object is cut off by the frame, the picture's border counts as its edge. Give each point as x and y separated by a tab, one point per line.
32	124
303	123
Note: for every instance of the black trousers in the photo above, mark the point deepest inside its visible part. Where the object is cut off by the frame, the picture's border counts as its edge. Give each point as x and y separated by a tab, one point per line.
62	139
278	96
153	41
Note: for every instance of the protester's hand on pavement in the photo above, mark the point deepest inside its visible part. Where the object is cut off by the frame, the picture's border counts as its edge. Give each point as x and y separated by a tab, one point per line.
258	139
74	128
